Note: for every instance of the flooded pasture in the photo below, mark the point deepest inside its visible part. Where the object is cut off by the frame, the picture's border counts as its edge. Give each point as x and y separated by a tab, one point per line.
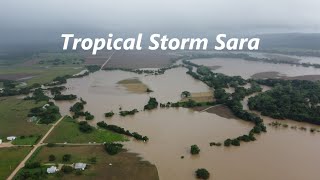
278	154
246	69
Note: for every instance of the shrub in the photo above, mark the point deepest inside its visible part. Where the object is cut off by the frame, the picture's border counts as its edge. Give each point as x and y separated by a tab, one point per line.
113	148
194	149
66	157
52	157
202	173
67	169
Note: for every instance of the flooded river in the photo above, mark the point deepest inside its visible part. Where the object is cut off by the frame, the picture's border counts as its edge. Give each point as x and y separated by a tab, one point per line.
279	154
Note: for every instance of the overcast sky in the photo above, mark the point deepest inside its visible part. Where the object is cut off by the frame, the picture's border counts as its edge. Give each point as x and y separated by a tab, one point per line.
43	18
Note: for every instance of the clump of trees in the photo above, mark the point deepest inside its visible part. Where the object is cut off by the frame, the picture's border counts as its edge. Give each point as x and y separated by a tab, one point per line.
77	109
85	127
46	114
194	149
113	148
59	97
56	90
109	114
38	95
125	113
202	173
152	104
121	130
297	100
11	89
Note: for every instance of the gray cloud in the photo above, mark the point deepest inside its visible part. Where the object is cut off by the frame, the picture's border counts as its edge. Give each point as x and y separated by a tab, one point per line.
48	18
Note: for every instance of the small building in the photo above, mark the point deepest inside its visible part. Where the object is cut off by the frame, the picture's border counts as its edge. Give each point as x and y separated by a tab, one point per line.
0	141
11	138
80	166
52	169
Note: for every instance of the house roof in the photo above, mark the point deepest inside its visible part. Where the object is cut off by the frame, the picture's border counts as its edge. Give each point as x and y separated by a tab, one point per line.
51	169
80	165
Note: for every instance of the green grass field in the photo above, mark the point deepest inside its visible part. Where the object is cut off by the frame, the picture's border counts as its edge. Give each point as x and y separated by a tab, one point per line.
28	140
14	120
10	158
39	74
67	131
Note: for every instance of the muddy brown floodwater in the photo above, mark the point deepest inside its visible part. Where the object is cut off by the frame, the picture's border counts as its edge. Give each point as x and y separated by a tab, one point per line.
246	69
279	154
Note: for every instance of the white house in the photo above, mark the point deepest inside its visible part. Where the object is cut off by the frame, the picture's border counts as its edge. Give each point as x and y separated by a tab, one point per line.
80	166
11	138
52	169
0	141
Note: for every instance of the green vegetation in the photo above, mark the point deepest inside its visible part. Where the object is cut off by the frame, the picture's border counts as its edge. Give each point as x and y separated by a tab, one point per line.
10	158
202	173
14	118
77	109
109	114
68	131
26	140
56	90
232	101
57	59
296	100
187	104
38	95
97	159
194	149
85	127
215	144
113	148
66	157
47	114
60	97
125	113
152	104
185	94
121	130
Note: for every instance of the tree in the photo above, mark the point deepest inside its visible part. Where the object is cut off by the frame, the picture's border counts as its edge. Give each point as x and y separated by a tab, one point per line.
202	173
185	94
52	157
194	150
67	169
113	148
66	157
85	127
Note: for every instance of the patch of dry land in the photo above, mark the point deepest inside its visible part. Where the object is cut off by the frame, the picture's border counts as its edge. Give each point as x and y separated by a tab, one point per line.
200	97
222	111
266	75
274	74
305	77
124	165
133	85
